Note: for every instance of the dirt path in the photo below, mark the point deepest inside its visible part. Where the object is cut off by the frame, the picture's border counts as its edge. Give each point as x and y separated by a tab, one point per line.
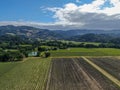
109	76
48	79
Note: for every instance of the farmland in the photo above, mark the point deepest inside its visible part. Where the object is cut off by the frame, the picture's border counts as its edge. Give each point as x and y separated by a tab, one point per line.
28	75
63	73
66	45
111	65
76	74
86	52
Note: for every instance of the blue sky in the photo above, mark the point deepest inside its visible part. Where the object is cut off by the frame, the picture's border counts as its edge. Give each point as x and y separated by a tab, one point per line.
31	10
61	14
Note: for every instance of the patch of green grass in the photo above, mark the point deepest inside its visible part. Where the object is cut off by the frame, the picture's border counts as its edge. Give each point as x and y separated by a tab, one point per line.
109	51
28	75
86	52
6	66
12	50
74	42
94	43
26	45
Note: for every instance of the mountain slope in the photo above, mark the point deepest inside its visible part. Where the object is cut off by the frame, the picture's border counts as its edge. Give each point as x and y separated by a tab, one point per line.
32	32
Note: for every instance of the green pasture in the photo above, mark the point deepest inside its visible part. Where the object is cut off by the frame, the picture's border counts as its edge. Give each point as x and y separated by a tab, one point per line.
86	52
74	42
30	74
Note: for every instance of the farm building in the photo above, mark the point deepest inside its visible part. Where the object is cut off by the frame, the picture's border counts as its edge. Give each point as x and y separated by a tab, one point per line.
32	54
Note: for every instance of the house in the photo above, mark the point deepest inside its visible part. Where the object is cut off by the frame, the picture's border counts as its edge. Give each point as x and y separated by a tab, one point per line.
32	54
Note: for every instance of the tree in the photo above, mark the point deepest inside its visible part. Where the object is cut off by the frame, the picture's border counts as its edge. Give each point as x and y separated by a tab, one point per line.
47	54
91	46
41	49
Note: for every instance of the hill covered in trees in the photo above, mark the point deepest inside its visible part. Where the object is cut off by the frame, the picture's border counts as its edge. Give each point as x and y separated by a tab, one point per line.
32	32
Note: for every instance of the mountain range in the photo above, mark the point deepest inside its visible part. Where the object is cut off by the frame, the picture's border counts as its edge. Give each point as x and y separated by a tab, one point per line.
32	32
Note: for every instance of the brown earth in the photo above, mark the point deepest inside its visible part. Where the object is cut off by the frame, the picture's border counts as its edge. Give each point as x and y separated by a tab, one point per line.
76	74
111	65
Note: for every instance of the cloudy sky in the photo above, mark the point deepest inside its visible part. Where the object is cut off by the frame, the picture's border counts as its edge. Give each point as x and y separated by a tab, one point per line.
61	14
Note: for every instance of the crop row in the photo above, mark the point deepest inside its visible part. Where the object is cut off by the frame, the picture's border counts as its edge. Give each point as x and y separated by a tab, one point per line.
76	74
28	75
110	64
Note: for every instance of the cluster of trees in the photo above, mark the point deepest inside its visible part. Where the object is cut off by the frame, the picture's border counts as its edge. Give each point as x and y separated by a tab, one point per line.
109	45
11	49
90	37
56	43
64	45
11	56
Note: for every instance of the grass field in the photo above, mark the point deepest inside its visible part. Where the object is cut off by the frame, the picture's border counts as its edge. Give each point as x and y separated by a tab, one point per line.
86	52
28	75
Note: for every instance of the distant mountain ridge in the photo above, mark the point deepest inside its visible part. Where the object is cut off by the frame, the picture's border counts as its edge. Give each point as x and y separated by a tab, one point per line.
32	32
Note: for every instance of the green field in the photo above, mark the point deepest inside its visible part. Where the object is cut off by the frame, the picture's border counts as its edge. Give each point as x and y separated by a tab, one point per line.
28	75
86	52
74	42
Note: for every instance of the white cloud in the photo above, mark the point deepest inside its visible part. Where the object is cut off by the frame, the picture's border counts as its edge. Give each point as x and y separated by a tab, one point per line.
90	15
51	26
86	16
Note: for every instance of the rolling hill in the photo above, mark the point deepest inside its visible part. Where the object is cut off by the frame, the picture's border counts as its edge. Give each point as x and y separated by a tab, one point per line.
32	32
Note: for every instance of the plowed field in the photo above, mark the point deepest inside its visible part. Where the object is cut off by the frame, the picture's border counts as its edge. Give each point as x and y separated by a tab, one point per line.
76	74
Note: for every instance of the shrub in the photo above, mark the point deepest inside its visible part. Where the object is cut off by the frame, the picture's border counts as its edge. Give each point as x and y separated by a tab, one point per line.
45	54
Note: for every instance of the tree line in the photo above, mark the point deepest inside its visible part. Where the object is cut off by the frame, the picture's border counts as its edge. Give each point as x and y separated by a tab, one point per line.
15	48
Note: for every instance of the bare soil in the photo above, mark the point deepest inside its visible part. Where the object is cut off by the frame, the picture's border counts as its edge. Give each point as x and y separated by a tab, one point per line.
110	64
76	74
